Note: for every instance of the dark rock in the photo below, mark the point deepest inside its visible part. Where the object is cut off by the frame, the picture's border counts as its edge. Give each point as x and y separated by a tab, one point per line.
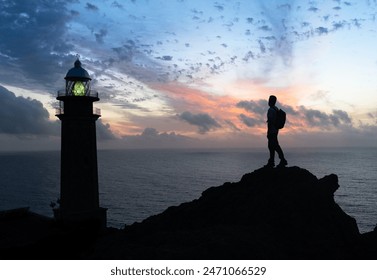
27	235
270	214
282	213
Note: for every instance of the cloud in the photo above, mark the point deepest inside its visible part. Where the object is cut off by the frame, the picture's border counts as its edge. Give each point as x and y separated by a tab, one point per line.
24	116
342	116
249	55
265	28
138	63
34	43
313	9
322	30
338	25
316	118
204	122
99	36
91	7
74	13
103	131
117	5
372	116
258	107
282	43
152	138
262	47
219	7
150	132
165	57
347	136
248	121
299	117
126	52
232	125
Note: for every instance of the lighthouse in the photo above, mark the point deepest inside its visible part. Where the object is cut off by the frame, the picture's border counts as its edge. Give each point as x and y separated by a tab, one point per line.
79	197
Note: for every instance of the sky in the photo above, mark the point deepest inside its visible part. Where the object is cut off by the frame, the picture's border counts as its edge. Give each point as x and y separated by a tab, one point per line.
192	73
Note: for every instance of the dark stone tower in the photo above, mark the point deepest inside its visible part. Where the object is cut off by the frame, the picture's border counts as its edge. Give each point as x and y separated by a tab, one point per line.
79	198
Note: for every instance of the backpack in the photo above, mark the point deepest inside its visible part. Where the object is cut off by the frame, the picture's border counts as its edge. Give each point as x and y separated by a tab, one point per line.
281	116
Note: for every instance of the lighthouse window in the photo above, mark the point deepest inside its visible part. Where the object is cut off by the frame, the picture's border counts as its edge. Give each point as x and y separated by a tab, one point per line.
78	89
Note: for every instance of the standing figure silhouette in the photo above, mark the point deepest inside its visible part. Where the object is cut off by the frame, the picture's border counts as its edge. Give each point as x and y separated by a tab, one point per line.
272	135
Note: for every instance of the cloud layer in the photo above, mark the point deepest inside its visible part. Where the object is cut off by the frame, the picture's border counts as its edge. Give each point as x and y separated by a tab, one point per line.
301	117
204	122
34	46
24	116
151	138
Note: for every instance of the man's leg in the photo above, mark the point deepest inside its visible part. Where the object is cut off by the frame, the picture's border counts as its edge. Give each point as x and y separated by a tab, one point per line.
283	161
272	147
279	150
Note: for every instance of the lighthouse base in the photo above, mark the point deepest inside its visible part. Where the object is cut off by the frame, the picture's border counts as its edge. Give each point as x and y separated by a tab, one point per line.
96	218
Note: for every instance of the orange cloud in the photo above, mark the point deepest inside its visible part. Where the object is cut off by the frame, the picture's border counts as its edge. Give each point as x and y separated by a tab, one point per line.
223	107
255	90
183	98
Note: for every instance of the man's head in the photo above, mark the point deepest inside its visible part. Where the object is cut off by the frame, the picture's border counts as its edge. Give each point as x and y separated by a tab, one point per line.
272	100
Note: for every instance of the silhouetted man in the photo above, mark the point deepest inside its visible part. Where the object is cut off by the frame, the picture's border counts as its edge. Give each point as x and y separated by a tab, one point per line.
272	135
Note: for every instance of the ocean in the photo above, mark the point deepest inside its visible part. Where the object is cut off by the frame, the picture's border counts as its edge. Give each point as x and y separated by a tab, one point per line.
135	184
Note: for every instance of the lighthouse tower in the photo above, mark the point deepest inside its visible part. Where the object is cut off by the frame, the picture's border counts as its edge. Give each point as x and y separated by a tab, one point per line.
79	198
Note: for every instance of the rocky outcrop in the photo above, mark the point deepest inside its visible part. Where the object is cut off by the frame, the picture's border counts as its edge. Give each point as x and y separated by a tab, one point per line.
282	213
270	214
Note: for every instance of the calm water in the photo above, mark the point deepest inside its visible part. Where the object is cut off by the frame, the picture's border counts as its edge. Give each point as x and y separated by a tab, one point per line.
135	184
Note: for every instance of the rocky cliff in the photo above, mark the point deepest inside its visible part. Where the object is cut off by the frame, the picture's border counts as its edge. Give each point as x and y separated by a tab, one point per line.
270	214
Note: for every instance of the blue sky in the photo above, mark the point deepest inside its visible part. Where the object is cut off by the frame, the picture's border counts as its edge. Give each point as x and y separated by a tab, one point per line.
182	73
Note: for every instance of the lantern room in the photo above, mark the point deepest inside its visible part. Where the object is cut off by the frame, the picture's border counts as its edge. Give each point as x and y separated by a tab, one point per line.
77	86
77	81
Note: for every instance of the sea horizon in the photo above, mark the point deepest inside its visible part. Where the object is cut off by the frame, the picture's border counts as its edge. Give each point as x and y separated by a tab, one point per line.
100	148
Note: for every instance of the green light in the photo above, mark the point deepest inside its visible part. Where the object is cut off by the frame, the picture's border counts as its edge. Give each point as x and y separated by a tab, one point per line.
78	89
